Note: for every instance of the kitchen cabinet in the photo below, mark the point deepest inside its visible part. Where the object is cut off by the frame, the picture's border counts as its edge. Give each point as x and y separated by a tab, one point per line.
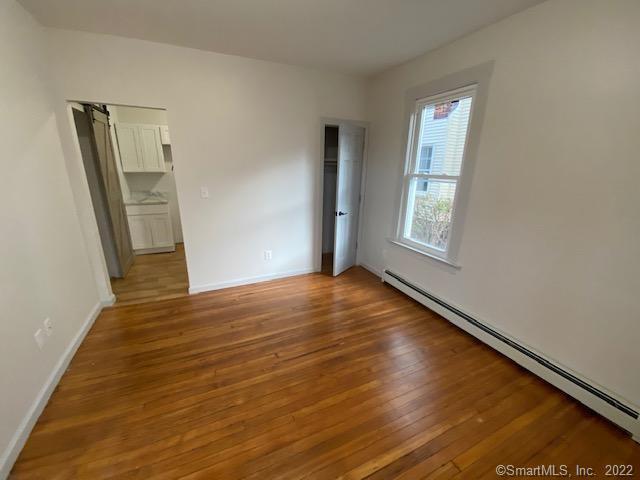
140	232
140	148
161	231
164	135
150	227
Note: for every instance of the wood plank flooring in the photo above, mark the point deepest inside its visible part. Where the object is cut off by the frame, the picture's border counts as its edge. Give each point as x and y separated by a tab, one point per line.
158	276
307	377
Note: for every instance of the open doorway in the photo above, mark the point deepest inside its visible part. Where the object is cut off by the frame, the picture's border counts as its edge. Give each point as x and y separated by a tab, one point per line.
329	196
341	195
127	158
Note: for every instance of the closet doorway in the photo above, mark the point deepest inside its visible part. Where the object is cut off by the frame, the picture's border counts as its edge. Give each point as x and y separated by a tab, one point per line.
341	195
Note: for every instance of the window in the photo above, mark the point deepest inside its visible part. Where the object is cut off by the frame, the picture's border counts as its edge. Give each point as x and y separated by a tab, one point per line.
426	155
439	130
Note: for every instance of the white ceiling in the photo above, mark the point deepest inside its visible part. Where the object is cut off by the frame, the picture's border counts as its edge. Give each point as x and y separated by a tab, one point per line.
352	36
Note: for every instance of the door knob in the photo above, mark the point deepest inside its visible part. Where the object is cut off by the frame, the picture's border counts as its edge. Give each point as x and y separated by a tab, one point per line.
339	213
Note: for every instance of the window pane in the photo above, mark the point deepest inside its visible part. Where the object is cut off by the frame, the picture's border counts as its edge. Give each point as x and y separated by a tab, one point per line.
443	132
429	210
424	160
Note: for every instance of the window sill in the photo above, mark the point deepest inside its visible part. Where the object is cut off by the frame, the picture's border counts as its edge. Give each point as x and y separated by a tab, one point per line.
421	252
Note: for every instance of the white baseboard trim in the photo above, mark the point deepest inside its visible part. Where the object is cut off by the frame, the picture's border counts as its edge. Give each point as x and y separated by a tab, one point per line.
247	281
373	270
108	302
594	402
21	435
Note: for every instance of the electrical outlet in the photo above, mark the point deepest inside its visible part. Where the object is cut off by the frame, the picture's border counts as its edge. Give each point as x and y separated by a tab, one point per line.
48	326
40	338
268	255
204	192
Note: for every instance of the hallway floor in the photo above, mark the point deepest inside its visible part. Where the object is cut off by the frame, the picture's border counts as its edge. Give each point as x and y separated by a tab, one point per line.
159	276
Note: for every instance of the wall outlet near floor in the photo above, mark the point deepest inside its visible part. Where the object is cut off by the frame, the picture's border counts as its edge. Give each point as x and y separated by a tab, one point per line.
48	326
268	255
40	338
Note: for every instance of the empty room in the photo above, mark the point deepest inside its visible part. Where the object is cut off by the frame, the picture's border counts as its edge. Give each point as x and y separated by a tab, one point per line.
384	239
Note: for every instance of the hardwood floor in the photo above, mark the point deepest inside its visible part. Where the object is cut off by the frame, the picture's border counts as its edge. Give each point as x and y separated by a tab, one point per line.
306	377
158	276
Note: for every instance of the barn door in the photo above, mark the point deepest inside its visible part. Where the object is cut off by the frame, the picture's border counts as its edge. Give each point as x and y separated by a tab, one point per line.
111	183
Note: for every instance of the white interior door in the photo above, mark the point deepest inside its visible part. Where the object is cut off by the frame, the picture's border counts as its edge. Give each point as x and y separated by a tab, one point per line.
350	152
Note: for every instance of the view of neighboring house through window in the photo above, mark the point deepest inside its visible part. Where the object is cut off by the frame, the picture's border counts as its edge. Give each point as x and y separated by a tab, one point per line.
437	147
426	155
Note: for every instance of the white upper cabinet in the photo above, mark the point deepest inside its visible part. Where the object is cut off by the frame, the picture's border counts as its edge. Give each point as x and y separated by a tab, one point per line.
152	156
140	147
130	148
164	135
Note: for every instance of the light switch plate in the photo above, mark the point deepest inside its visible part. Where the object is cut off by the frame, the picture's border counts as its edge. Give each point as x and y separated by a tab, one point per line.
204	192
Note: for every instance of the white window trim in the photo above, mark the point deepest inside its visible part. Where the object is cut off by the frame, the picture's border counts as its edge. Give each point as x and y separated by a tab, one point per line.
448	255
423	253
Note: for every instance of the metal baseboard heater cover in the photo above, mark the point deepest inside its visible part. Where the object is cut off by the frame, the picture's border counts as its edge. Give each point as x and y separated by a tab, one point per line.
525	351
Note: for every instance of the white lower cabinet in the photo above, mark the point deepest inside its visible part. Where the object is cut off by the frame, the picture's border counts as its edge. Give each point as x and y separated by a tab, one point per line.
161	232
140	231
150	227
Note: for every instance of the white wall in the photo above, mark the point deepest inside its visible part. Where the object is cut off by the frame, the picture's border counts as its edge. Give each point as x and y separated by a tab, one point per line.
248	130
45	270
550	251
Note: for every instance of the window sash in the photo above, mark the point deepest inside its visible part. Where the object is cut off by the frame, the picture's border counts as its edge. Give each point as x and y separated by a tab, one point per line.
412	164
428	160
411	197
431	176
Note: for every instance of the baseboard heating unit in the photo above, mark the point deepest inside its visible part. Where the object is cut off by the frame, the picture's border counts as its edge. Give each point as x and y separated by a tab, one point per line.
622	414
